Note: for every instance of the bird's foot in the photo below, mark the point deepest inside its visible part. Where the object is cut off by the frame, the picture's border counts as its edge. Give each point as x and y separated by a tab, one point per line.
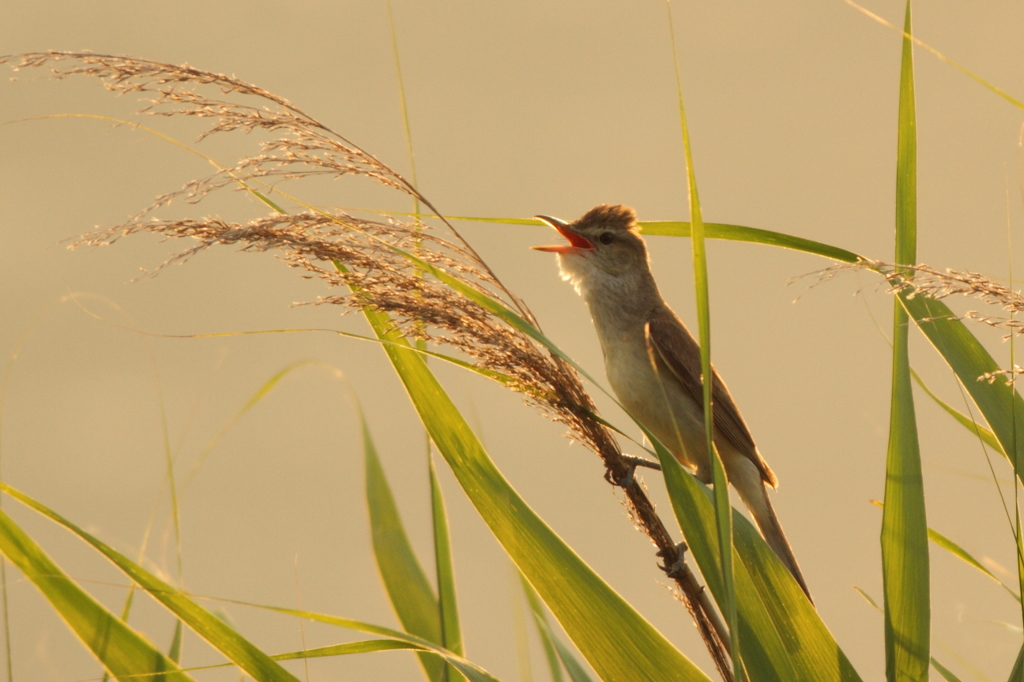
633	462
641	462
674	569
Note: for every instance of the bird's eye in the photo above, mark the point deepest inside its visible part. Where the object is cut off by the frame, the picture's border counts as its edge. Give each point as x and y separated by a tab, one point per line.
606	238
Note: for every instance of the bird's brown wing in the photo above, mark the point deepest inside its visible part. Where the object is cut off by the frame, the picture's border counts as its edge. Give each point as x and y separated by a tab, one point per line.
680	353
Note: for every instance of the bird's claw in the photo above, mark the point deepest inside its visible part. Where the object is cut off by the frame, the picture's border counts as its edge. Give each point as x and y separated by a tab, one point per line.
673	570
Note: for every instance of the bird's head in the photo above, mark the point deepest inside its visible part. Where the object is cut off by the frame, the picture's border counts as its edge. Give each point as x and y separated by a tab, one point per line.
604	248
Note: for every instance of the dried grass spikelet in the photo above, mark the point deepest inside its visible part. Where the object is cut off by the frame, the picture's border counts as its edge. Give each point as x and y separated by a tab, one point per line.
315	241
924	280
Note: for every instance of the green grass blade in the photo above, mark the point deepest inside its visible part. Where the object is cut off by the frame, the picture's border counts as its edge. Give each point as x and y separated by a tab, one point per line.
469	669
1020	550
739	233
558	654
999	404
956	65
215	631
451	628
366	646
125	611
986	436
962	554
904	535
121	650
521	635
946	673
681	228
723	508
470	672
174	653
406	583
1017	673
577	673
540	621
1018	530
958	551
867	598
405	109
614	638
253	400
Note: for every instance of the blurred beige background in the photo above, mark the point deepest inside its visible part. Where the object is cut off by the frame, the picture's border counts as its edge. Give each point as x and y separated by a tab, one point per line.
516	109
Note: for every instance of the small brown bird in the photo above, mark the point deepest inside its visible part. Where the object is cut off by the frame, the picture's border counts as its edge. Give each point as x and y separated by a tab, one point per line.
606	260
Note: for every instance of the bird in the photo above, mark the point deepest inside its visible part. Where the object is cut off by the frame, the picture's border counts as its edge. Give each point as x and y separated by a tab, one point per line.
607	262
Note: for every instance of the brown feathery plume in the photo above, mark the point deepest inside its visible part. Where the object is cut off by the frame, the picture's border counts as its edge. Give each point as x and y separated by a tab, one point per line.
375	256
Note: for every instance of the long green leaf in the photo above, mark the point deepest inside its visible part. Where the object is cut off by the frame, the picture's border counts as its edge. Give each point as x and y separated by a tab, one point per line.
556	652
904	535
998	402
259	394
986	436
962	554
968	422
739	233
736	233
121	650
175	651
405	109
366	646
547	638
408	589
1001	406
215	631
451	628
723	508
946	673
1017	673
925	46
614	638
469	669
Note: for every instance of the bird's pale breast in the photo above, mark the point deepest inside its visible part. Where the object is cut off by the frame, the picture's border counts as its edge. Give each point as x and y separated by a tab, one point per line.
671	416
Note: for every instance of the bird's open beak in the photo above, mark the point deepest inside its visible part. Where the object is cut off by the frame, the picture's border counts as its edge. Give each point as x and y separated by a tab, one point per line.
577	242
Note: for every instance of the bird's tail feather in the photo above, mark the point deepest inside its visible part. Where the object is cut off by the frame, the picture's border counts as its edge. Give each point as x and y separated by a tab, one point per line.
771	529
755	496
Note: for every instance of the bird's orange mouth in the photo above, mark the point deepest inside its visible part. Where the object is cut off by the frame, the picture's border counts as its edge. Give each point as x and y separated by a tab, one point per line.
577	242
